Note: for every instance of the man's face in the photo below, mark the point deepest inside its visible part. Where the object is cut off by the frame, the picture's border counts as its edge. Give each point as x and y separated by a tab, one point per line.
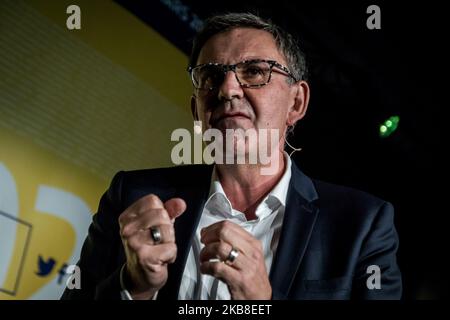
230	106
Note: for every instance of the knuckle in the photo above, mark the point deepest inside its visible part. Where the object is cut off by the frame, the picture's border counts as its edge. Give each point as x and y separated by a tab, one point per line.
161	214
216	268
152	197
133	245
145	203
223	249
141	258
173	248
171	253
125	232
225	224
223	232
152	200
173	258
204	252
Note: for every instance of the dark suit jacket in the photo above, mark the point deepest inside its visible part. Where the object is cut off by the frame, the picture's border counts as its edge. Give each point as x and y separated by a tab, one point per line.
330	236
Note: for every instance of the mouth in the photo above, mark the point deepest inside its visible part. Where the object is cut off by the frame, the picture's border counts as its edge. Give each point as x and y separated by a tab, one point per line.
233	116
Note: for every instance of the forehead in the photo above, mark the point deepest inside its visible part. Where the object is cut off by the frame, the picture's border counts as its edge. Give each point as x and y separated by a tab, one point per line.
240	44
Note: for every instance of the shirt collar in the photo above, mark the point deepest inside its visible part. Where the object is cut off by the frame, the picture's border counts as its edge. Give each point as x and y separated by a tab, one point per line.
219	204
281	188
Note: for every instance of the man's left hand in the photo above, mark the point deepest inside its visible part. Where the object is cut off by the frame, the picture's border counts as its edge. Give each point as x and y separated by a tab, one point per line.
246	276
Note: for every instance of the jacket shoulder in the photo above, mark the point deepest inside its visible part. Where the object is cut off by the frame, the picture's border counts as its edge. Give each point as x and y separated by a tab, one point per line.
353	200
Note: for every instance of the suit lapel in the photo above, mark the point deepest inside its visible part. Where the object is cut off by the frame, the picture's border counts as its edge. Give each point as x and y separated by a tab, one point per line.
185	226
298	222
299	219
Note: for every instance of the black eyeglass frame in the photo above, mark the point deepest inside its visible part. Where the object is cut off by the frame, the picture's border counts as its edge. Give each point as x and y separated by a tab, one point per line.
232	67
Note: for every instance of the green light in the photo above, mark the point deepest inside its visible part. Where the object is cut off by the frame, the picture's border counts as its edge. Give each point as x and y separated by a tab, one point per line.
389	126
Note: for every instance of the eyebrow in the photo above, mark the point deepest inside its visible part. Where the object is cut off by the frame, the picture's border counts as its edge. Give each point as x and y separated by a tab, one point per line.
245	58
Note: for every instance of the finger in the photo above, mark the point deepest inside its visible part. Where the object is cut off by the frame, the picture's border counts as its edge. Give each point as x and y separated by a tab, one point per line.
222	271
145	221
175	207
140	206
229	232
144	237
221	250
167	232
157	254
150	201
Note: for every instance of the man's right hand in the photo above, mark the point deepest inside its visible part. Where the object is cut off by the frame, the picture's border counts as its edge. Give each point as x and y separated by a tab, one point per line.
146	267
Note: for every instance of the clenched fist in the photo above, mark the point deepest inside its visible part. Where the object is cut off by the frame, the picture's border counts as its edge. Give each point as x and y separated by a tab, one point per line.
246	276
146	267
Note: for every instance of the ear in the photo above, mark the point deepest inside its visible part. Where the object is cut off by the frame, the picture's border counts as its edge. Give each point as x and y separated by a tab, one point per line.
194	107
300	104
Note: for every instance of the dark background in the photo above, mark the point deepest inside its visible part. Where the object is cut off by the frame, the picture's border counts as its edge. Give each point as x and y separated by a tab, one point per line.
359	78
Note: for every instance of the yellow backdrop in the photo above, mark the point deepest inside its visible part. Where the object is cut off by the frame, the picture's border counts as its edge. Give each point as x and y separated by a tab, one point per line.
76	106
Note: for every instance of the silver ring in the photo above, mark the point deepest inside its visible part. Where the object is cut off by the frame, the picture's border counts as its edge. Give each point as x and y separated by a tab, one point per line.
232	255
156	234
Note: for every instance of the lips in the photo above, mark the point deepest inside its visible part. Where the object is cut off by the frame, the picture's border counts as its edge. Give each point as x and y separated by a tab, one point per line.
231	115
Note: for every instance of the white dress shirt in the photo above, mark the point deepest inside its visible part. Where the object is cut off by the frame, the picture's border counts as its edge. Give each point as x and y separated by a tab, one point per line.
266	228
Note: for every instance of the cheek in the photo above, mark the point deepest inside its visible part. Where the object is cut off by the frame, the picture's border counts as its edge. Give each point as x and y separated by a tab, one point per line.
270	110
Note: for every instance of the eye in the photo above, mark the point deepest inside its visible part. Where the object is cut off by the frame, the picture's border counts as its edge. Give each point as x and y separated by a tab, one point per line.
253	70
209	75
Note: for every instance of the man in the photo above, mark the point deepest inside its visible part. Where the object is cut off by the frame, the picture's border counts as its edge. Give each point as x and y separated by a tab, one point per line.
228	231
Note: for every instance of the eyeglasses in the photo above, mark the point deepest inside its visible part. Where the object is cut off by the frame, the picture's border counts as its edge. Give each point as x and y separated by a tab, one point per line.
249	73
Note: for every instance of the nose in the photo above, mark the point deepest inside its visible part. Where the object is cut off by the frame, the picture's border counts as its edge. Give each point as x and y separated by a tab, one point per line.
230	87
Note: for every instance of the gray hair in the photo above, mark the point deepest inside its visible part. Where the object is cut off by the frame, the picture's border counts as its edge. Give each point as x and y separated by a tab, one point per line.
286	43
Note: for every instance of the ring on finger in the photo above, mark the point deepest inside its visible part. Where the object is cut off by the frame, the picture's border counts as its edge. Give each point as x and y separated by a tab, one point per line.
234	253
156	234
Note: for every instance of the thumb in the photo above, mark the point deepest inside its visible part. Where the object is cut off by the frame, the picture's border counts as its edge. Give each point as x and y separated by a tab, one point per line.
175	207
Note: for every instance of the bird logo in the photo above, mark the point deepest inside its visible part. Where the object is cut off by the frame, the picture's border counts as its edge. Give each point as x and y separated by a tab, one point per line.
45	266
